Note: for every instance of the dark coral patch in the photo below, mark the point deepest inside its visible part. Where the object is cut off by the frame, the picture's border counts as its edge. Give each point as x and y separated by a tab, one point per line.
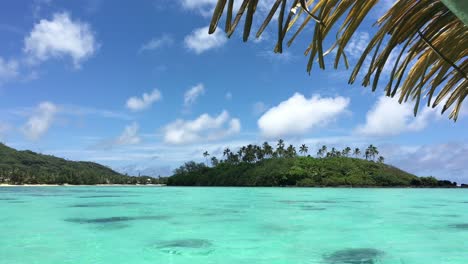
186	243
99	196
306	201
115	219
186	246
312	208
106	204
354	256
463	226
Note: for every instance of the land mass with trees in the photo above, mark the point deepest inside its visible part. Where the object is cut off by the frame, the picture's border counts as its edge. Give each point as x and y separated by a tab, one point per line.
251	165
254	165
27	167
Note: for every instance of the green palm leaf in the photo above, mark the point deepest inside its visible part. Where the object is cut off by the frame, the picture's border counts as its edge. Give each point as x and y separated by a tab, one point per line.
430	38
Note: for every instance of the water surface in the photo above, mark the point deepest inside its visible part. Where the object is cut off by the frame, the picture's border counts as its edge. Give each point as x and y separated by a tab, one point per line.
118	225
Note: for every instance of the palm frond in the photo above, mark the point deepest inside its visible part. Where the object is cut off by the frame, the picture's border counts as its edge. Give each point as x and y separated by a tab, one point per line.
429	40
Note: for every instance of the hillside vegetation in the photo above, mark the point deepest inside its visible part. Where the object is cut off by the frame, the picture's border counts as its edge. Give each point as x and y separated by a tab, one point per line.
27	167
264	166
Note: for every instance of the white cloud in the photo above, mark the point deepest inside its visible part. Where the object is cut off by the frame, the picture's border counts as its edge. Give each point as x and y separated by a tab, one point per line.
137	104
156	43
129	135
200	41
228	96
357	45
387	117
8	70
193	93
204	128
60	37
298	115
40	121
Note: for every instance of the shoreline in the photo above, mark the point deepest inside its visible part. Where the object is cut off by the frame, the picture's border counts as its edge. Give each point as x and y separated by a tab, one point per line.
71	185
164	185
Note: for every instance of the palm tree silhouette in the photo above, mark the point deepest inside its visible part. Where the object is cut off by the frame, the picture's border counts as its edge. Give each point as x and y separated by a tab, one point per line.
280	148
206	154
357	152
346	151
267	149
303	149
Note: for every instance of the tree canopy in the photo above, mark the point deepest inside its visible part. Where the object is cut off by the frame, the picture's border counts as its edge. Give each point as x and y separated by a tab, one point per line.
262	165
27	167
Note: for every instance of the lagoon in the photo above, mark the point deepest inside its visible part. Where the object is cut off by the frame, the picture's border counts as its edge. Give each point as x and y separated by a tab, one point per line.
174	225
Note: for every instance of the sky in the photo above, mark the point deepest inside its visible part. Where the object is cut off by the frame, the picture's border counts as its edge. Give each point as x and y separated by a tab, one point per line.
140	86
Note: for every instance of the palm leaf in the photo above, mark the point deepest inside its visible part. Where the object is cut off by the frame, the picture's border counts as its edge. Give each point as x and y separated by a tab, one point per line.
429	38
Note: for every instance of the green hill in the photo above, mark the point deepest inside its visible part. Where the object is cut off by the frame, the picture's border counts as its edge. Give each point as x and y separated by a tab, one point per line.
301	171
27	167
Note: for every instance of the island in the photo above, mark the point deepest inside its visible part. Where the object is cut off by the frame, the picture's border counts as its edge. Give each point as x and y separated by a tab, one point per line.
250	166
254	165
28	167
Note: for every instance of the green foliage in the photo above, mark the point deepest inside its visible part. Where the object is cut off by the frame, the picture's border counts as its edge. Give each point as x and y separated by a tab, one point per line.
301	171
27	167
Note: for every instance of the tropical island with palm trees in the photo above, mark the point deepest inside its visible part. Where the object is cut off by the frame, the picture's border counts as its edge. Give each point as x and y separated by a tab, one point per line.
254	165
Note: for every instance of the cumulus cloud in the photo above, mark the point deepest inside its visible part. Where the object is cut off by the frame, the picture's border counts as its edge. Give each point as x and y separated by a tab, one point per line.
157	43
8	70
204	128
129	135
60	37
298	115
40	121
387	117
146	100
200	41
193	93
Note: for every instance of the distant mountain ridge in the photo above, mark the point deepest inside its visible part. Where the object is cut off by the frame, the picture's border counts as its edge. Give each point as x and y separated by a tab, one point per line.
28	167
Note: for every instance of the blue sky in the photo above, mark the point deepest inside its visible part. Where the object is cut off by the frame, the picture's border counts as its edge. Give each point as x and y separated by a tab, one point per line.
143	87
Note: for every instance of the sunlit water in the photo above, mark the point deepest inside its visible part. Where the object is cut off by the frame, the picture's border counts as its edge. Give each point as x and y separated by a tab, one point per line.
232	225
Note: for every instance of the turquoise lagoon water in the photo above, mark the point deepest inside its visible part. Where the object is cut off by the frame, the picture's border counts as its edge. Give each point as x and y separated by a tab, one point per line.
232	225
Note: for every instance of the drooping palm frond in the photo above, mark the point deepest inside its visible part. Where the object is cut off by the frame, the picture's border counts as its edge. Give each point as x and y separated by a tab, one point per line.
430	43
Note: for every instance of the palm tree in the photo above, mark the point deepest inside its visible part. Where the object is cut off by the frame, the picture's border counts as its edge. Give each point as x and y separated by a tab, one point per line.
346	151
280	148
267	149
303	149
381	159
214	161
371	151
206	154
291	151
324	149
226	152
430	50
259	153
367	154
357	152
320	153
